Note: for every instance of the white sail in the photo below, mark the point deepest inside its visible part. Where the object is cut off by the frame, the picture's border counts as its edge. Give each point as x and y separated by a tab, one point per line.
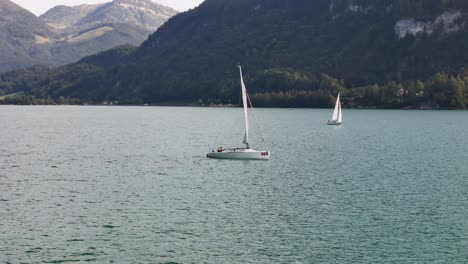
340	115
246	115
336	110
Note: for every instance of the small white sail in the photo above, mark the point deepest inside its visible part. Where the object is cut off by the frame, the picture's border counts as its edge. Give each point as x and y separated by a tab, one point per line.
336	110
340	115
246	114
337	117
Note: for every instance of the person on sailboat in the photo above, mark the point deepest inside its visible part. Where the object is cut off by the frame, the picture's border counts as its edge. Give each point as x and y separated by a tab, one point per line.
220	149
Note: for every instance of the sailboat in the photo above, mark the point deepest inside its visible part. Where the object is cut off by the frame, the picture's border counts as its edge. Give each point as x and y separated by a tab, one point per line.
242	153
337	117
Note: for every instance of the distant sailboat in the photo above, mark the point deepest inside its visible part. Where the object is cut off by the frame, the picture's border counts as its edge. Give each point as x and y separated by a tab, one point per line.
337	117
245	153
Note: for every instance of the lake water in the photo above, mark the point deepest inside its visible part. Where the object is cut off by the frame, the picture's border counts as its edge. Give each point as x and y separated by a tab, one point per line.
132	184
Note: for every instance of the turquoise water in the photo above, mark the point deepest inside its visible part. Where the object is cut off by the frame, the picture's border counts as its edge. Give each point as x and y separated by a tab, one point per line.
132	184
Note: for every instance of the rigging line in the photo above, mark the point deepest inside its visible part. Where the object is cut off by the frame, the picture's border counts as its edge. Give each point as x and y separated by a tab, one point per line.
258	125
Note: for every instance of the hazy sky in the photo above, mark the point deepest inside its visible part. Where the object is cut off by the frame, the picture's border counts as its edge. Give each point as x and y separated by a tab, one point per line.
39	7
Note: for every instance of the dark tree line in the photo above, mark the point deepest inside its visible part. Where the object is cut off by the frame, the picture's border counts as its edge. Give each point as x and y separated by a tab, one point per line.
31	100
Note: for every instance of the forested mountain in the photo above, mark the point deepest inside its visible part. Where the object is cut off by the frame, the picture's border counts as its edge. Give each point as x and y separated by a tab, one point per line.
67	34
379	53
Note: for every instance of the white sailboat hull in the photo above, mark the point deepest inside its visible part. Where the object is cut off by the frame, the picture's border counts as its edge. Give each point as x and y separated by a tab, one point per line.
334	123
239	154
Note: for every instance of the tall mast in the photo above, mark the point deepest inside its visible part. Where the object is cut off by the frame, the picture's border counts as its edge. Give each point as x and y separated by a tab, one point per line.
246	115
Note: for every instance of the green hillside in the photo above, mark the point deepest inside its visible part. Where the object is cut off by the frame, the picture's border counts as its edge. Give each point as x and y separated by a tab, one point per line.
387	53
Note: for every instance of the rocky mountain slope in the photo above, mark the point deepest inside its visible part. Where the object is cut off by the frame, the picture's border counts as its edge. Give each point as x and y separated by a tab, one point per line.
143	13
67	34
18	29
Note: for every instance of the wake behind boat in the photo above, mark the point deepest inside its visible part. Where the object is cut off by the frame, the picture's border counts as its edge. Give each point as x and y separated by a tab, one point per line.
245	153
337	117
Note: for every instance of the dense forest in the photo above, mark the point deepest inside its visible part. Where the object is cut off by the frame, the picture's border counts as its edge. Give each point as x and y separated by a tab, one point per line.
296	53
440	91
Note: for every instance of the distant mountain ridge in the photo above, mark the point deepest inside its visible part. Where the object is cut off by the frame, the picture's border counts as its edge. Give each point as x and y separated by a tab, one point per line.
138	12
66	16
67	34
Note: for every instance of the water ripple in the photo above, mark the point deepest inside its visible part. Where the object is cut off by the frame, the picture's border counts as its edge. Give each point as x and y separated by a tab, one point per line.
126	185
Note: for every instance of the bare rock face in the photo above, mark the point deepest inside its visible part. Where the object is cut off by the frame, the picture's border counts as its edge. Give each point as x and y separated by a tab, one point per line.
411	17
447	22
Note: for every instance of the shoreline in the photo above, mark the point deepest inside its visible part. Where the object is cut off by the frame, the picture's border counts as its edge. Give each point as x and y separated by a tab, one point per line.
234	106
